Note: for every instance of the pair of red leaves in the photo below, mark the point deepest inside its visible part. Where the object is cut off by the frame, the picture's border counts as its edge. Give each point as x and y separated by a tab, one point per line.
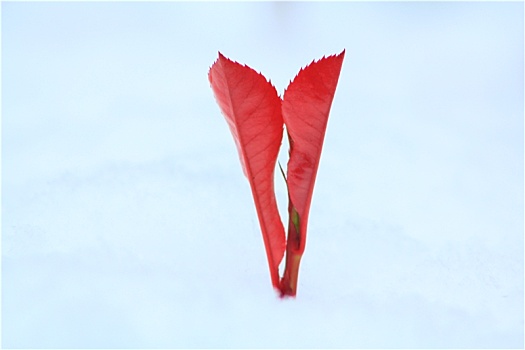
256	116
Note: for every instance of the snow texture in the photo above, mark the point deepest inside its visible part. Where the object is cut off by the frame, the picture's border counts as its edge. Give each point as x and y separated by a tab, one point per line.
127	221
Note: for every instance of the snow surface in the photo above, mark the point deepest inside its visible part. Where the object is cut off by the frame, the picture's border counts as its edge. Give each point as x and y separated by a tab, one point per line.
127	222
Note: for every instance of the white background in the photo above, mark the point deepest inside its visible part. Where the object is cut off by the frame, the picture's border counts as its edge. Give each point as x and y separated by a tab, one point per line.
127	221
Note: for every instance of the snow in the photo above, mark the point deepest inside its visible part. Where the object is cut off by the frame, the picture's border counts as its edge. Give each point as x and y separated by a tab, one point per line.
127	221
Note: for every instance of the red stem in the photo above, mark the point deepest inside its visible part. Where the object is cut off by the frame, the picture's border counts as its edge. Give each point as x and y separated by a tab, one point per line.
288	285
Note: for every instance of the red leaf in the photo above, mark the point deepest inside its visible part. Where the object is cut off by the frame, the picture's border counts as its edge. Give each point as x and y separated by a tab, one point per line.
255	115
305	108
252	109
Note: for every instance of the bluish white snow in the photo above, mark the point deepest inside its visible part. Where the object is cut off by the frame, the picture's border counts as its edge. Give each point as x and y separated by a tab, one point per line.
127	221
